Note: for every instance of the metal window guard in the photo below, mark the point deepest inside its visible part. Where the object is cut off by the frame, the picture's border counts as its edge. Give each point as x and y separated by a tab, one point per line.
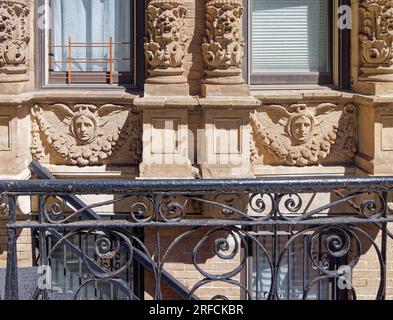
100	60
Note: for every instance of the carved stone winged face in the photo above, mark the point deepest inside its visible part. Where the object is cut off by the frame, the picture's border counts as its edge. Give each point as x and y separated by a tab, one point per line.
301	127
84	128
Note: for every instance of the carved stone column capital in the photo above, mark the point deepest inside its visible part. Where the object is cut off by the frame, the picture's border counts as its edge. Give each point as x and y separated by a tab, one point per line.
166	43
376	40
14	38
223	45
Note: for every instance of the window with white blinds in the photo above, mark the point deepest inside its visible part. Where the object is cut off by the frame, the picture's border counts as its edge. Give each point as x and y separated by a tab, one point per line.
290	37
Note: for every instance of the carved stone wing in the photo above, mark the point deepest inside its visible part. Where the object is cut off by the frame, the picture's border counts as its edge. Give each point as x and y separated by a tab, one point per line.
86	136
53	123
329	124
114	123
270	134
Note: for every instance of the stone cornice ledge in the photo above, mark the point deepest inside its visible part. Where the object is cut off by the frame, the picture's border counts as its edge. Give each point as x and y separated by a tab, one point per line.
229	102
376	101
290	95
53	96
165	102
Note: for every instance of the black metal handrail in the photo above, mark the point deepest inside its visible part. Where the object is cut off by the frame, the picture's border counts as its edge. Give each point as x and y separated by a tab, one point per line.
189	187
241	208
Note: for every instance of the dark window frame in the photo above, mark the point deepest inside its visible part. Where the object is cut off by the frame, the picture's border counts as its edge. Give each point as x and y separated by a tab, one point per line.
137	73
305	79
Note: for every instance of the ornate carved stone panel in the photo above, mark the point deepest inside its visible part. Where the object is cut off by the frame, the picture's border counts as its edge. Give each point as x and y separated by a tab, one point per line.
223	47
166	43
85	134
376	39
301	135
14	38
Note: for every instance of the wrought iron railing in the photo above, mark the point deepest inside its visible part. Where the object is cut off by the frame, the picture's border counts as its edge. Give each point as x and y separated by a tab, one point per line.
277	239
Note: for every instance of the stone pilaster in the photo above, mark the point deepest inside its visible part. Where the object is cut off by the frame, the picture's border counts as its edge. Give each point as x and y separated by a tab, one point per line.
167	147
165	48
375	46
223	49
225	145
375	154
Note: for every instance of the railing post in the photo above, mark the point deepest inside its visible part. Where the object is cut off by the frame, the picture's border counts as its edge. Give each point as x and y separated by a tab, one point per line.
69	61
42	246
11	282
110	60
384	245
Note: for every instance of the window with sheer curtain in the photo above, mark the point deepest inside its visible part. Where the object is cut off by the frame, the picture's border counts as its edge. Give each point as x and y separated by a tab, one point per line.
296	271
91	41
290	41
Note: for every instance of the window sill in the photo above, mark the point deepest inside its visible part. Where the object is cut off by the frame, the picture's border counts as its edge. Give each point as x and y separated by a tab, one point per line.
291	93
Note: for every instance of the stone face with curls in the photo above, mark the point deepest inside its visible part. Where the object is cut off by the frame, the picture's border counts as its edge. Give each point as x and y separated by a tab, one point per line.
14	35
166	43
376	39
223	46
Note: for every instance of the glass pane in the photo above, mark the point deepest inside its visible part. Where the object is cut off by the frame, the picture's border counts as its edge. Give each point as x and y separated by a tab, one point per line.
290	36
295	272
69	272
88	25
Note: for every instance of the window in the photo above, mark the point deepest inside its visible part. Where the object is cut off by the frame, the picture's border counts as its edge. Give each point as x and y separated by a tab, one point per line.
90	42
291	41
296	270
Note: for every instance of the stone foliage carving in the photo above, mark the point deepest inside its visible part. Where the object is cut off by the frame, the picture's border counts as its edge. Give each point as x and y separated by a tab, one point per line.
376	36
300	135
85	134
14	36
166	43
223	47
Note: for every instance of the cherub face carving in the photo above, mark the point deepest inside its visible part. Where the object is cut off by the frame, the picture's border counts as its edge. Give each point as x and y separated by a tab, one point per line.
301	128
301	125
84	128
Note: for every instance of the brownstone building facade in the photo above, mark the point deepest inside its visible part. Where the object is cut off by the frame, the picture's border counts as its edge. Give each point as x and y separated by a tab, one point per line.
202	90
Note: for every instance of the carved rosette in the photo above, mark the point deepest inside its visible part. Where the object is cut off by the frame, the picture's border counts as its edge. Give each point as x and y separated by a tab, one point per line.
223	47
376	40
84	134
14	38
166	43
300	135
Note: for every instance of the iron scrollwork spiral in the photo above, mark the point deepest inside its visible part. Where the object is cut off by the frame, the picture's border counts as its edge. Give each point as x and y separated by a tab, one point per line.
55	210
108	245
373	208
226	246
170	210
